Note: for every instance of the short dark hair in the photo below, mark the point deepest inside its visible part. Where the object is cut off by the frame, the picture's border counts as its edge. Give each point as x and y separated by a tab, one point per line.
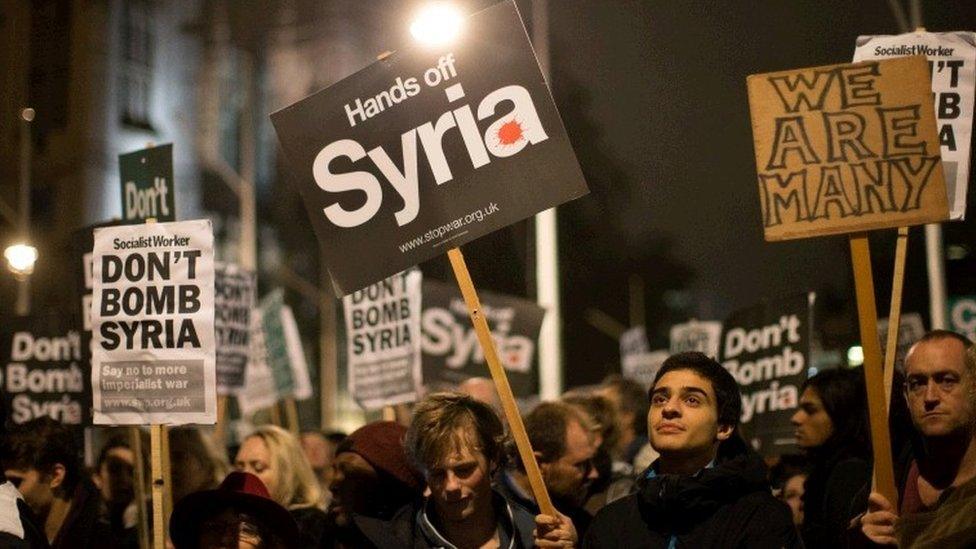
727	395
40	444
968	350
437	418
546	426
633	399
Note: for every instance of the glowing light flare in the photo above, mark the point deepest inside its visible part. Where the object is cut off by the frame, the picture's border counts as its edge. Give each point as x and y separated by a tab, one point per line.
20	259
437	24
855	356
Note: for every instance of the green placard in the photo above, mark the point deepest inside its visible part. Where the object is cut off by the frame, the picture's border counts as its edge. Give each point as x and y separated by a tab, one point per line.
275	343
147	184
962	315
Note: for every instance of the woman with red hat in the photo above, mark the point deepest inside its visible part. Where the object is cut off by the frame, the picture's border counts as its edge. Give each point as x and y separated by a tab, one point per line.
239	514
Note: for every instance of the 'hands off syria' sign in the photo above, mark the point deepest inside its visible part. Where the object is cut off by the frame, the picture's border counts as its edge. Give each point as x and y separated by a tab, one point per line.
428	149
846	148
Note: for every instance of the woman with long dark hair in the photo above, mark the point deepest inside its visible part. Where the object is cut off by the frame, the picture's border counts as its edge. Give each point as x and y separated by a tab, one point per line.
832	428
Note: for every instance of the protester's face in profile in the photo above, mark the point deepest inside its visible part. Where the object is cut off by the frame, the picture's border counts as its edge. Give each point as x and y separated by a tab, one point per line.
683	419
231	530
255	458
461	484
793	496
319	451
812	425
354	482
118	463
624	420
569	476
939	388
36	487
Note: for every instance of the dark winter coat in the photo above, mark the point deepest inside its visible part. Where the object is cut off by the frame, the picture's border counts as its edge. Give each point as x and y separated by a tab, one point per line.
834	493
410	530
311	525
725	506
86	525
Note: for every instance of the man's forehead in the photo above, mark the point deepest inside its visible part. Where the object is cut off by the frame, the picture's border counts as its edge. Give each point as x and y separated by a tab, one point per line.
943	354
579	441
683	380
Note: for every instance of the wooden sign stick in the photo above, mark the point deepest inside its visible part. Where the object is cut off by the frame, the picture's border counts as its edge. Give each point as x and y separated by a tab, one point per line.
220	429
167	475
884	475
160	470
275	414
501	383
389	413
894	314
158	485
139	474
291	411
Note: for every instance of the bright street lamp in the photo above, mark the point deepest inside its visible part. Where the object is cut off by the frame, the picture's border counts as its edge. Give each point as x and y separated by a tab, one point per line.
20	259
437	23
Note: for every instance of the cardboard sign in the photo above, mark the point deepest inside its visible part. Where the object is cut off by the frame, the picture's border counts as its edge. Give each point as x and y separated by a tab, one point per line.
910	330
234	299
259	391
383	341
153	355
296	355
634	341
962	315
275	345
952	58
43	370
767	348
428	149
147	184
643	366
451	352
702	336
846	148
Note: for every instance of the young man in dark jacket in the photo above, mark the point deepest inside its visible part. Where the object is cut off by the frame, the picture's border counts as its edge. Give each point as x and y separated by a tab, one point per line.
707	489
42	459
458	443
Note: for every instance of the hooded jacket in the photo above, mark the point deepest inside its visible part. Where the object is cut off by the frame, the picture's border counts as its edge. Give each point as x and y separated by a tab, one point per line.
412	528
728	506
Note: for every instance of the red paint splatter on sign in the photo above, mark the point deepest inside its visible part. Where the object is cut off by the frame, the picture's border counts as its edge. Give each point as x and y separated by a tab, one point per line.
510	133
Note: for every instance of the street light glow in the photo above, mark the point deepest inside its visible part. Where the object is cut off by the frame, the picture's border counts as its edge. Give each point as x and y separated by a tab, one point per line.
20	259
437	24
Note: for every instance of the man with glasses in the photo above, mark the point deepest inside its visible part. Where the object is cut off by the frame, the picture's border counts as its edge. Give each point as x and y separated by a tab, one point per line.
939	494
563	439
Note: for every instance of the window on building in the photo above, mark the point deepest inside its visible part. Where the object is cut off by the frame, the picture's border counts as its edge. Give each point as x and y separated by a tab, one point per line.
136	66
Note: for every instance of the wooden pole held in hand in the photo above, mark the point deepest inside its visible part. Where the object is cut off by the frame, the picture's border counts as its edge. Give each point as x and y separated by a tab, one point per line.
501	383
139	477
158	485
884	476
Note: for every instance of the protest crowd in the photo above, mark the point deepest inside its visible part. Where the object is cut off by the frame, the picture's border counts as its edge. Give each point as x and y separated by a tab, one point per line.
158	406
448	477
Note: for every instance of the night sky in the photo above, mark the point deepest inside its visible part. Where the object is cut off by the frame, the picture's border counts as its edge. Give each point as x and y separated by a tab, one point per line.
654	98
